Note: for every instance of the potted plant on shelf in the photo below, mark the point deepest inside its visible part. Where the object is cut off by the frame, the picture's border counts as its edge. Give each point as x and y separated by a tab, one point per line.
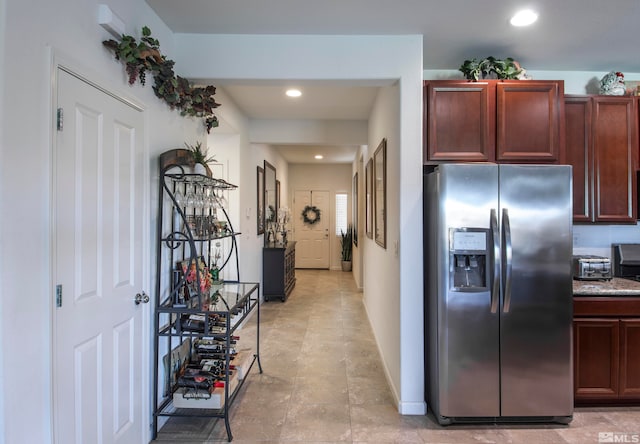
200	159
491	68
346	242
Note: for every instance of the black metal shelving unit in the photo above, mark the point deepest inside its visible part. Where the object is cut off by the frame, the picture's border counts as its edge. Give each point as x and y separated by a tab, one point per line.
190	305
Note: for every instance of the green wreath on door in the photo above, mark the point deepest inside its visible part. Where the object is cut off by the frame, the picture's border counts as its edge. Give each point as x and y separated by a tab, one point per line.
311	215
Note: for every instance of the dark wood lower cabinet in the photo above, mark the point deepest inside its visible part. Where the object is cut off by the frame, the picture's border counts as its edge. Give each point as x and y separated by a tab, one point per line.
597	357
278	271
630	358
606	350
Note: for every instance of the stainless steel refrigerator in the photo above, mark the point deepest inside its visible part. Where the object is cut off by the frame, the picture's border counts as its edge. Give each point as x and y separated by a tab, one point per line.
498	293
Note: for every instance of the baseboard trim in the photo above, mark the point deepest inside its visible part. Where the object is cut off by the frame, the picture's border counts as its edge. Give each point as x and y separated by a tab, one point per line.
412	408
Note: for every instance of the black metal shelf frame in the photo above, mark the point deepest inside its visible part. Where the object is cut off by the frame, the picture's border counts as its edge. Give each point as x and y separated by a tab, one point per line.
234	301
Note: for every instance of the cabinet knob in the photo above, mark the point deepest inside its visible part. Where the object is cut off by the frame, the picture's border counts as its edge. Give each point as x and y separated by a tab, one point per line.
141	298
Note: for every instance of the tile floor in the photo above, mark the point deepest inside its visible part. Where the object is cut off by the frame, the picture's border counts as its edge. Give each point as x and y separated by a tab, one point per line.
323	382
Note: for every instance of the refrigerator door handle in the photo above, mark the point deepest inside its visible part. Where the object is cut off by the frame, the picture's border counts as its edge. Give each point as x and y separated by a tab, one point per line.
508	254
495	287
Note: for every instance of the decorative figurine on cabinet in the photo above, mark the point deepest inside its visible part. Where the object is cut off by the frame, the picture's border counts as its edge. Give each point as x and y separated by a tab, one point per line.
612	84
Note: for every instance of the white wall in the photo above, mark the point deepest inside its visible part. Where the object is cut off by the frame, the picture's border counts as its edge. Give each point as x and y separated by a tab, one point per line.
259	152
32	31
350	58
326	132
382	266
230	144
2	219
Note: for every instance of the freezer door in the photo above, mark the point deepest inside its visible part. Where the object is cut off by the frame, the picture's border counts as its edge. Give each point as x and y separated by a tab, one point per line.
467	331
536	309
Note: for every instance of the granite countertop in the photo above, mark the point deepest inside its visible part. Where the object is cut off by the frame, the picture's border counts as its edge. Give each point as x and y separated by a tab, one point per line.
614	287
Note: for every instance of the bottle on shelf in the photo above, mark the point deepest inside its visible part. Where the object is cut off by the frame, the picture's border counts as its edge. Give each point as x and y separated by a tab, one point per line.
215	274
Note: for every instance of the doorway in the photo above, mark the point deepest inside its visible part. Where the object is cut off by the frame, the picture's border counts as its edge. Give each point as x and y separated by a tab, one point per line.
311	230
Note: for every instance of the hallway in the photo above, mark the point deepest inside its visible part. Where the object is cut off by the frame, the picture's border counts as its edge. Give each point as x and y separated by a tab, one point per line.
323	382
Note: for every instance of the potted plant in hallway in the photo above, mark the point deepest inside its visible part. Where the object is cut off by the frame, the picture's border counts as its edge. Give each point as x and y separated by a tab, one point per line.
346	242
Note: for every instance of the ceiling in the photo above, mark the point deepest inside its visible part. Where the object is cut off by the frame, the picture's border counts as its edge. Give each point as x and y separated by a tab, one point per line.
570	35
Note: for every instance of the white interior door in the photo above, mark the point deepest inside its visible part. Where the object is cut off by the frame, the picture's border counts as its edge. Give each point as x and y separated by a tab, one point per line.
98	263
312	240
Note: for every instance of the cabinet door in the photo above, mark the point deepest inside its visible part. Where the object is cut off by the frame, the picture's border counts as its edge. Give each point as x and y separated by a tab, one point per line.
529	121
578	154
615	148
460	121
596	352
630	358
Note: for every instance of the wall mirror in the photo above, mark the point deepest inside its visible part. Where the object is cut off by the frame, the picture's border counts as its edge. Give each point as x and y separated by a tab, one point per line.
260	200
368	200
354	209
270	213
380	193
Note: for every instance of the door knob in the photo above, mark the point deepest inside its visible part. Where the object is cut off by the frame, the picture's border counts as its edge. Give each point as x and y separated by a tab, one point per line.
141	298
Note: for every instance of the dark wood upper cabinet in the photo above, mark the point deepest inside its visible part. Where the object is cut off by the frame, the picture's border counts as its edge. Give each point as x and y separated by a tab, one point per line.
615	160
460	121
579	154
602	147
530	120
514	121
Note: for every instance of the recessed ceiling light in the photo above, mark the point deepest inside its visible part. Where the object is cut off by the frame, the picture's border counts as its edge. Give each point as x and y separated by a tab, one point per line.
318	156
524	18
293	93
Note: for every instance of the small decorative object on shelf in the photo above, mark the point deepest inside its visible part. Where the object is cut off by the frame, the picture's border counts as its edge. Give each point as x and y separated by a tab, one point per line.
271	222
215	271
200	159
283	220
196	275
311	215
612	84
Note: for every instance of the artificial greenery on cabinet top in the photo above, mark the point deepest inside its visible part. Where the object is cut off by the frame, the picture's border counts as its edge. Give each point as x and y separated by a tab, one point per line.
144	56
490	67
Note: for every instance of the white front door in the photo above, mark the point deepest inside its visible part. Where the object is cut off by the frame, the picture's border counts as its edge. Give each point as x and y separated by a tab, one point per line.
312	240
98	264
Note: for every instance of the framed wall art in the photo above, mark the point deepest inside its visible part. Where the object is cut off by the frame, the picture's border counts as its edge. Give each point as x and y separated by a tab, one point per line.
260	199
355	209
380	193
368	200
270	211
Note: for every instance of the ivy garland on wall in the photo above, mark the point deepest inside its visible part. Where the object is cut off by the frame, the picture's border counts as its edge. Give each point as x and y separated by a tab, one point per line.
140	57
311	215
